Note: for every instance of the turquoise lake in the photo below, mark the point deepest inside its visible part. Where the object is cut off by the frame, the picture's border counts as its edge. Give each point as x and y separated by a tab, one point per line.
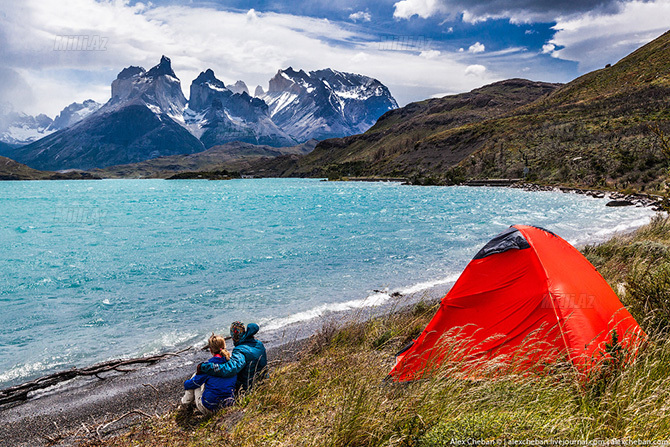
94	270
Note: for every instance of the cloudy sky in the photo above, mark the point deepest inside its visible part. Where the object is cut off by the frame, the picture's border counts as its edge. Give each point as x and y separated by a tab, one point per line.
418	48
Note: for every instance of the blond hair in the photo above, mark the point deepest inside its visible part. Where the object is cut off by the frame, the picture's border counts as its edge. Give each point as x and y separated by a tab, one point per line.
217	345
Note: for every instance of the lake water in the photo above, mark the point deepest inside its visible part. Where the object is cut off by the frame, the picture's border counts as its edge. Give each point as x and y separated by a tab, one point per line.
94	270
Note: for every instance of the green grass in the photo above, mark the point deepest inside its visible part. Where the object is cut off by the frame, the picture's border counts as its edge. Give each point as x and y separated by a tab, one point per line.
335	394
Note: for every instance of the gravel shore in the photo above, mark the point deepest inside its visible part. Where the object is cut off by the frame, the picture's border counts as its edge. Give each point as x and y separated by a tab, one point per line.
87	407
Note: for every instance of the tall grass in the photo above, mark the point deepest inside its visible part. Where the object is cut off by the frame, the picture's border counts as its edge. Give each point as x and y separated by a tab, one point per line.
335	393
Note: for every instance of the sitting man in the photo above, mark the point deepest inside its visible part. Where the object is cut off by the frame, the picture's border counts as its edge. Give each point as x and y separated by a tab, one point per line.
248	359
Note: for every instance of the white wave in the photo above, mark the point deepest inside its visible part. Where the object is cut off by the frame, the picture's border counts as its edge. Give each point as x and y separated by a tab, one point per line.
373	300
624	226
28	370
606	233
420	287
170	340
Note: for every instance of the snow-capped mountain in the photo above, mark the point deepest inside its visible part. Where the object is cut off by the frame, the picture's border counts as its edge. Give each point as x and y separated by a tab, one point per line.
325	103
74	113
142	120
239	87
148	117
18	128
159	89
217	115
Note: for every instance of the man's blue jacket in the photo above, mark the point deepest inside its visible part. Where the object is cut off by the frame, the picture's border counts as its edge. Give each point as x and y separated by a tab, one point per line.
248	360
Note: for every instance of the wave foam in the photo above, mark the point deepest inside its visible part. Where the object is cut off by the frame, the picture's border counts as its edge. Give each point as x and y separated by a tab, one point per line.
373	300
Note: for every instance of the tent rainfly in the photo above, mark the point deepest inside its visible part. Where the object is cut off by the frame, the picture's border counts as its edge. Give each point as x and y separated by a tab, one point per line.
525	284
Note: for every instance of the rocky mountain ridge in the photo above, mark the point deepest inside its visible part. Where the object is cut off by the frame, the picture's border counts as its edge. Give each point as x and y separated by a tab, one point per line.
148	116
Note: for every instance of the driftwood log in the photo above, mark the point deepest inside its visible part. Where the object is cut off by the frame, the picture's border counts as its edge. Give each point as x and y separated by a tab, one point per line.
20	392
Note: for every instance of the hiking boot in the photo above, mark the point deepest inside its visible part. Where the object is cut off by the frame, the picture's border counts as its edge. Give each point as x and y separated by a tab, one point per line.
184	412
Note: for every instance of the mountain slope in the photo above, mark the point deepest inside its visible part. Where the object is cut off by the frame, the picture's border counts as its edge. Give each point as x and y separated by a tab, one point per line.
139	122
325	103
381	149
594	131
217	115
233	156
11	170
74	113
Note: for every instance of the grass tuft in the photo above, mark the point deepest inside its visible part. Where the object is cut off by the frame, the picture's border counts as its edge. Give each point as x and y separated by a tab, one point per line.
335	393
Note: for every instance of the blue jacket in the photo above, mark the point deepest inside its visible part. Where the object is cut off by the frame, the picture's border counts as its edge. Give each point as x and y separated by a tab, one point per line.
247	361
216	388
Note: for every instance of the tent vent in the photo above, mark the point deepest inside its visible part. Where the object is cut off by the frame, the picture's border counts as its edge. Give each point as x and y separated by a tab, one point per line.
510	239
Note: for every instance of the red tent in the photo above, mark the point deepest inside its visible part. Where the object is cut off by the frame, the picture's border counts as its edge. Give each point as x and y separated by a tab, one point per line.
527	286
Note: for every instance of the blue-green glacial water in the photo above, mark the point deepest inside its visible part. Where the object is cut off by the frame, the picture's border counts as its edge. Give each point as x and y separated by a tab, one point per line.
94	270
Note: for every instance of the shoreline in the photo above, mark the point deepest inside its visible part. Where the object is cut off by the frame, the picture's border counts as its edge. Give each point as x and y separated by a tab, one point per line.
635	199
94	407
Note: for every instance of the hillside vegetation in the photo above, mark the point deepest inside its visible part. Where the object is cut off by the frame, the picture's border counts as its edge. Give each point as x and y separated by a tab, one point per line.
605	129
235	156
335	394
12	170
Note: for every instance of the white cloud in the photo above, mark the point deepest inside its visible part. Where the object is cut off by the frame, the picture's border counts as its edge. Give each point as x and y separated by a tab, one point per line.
517	11
475	70
360	15
423	8
430	54
251	15
596	40
477	47
548	48
592	33
250	46
360	57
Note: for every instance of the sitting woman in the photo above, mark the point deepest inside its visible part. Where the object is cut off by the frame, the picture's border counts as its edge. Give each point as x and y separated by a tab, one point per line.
211	393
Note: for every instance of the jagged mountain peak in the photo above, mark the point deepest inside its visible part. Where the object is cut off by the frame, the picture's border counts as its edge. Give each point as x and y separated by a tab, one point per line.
208	77
216	114
131	71
74	113
326	103
239	87
21	128
289	79
164	68
159	89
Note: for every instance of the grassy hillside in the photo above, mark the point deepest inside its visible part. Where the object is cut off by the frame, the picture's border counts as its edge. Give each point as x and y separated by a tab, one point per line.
399	131
12	170
234	156
595	131
335	394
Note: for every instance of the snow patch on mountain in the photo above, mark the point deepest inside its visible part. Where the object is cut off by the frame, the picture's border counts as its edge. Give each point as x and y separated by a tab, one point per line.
74	113
18	128
217	114
325	103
